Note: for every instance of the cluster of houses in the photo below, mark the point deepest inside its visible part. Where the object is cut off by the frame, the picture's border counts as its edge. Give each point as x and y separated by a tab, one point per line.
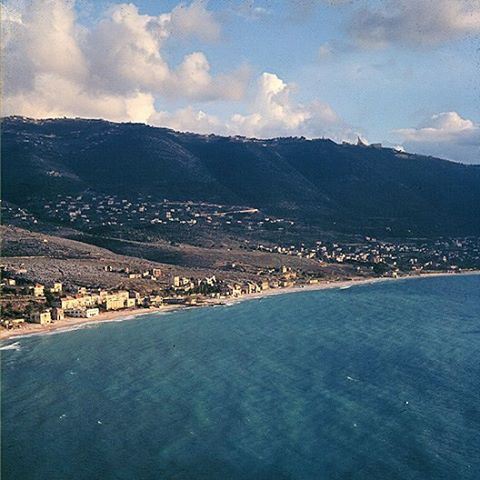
92	209
414	255
87	303
83	303
151	274
212	287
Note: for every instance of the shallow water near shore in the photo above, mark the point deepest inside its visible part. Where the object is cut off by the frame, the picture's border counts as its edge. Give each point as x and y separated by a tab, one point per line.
372	382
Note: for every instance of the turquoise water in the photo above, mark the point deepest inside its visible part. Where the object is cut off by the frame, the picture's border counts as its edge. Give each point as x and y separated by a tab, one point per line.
373	382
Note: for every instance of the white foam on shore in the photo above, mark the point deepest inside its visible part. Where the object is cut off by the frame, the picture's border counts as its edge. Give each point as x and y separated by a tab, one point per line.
11	346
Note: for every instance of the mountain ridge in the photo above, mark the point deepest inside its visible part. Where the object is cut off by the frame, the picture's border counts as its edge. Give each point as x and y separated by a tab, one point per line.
318	181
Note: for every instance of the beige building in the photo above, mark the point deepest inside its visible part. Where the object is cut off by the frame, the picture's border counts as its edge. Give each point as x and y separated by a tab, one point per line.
38	290
57	287
117	301
43	318
12	322
57	314
182	282
110	301
234	290
79	301
153	300
264	285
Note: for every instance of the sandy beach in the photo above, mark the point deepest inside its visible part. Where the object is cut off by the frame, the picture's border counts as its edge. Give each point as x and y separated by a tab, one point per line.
69	323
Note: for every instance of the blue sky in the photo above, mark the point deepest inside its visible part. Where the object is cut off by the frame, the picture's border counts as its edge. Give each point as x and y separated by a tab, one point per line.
401	72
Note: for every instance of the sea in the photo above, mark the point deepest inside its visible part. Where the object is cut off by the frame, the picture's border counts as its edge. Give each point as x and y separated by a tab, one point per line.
378	381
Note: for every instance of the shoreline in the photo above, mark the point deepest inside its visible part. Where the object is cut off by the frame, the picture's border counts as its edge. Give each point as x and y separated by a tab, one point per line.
70	324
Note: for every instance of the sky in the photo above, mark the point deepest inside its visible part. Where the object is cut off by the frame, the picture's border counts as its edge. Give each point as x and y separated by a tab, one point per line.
401	72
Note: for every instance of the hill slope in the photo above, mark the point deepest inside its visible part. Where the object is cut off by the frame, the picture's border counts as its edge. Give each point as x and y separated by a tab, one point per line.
342	187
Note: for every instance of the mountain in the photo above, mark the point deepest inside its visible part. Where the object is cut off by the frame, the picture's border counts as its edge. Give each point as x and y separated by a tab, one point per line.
337	187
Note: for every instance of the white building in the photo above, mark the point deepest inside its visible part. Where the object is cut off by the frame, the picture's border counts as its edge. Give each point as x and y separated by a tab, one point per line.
82	312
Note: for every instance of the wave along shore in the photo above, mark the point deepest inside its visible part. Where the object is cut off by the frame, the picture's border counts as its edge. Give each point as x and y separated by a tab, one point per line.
70	324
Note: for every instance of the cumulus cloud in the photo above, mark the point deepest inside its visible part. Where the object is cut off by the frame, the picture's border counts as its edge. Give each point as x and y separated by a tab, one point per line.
417	23
54	96
274	113
446	135
117	69
114	69
194	20
38	44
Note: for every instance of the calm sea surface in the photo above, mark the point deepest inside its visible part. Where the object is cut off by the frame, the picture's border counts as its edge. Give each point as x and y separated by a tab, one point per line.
371	382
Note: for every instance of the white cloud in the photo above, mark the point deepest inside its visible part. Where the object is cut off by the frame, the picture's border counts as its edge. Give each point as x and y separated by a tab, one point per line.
194	20
53	96
188	120
416	23
117	69
192	79
53	66
275	113
446	135
126	53
40	44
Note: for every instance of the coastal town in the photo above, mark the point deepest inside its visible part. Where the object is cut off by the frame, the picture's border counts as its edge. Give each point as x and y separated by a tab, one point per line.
26	302
28	305
162	255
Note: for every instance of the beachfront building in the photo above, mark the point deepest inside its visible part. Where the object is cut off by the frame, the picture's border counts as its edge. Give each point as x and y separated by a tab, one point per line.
153	301
78	301
249	288
264	285
175	301
82	312
43	318
57	314
233	290
118	300
10	323
108	300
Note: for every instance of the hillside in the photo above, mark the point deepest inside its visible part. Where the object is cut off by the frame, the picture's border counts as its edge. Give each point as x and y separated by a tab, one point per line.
315	182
